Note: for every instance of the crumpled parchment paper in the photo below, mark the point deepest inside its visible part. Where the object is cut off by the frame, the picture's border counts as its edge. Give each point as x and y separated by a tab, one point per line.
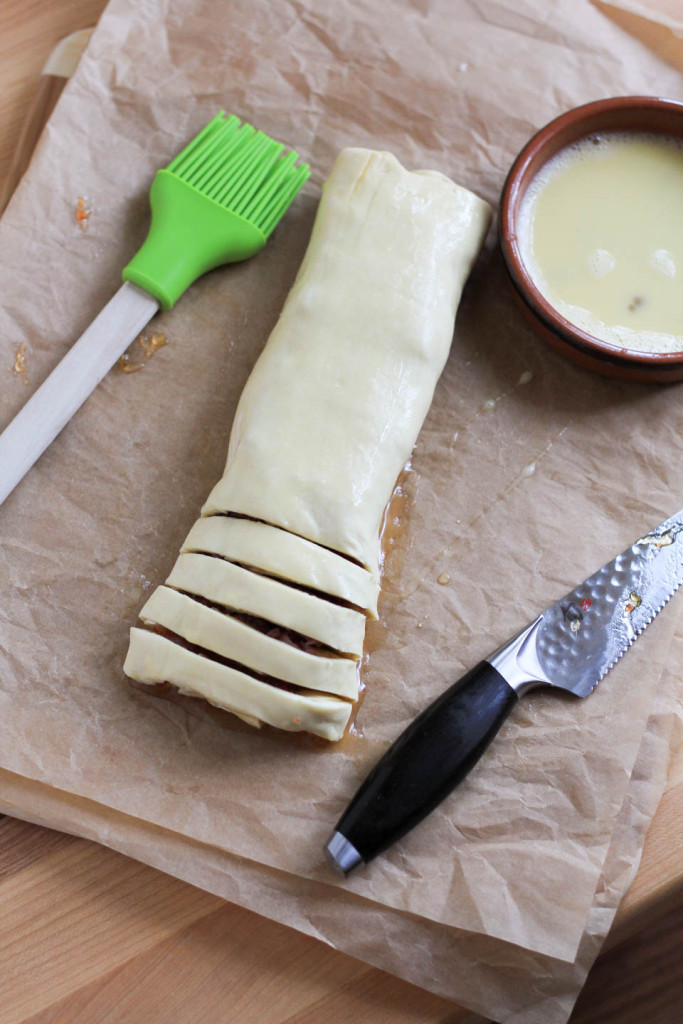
527	476
657	23
498	979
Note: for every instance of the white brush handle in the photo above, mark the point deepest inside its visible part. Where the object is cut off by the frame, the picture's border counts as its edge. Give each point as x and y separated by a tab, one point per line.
51	407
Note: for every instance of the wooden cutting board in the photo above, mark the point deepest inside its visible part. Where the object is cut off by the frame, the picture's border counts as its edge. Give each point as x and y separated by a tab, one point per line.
88	936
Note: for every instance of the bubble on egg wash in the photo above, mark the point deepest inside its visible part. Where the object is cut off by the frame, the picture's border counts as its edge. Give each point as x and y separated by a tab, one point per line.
600	262
662	262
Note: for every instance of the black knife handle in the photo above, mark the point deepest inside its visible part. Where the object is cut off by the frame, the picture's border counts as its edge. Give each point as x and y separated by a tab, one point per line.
426	762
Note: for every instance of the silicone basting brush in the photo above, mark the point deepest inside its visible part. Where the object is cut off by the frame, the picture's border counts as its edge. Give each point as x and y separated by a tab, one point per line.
216	202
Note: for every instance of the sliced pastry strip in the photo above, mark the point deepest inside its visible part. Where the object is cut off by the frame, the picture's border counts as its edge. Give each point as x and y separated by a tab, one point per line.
155	659
238	589
278	553
234	640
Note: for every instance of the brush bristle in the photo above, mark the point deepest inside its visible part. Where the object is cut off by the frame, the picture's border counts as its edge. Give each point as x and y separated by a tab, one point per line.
242	169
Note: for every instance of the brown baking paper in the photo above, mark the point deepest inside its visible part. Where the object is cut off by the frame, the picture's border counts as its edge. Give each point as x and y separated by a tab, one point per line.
658	24
487	975
527	476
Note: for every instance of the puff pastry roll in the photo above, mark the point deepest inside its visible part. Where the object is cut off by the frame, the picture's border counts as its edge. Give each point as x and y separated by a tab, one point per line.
264	612
332	409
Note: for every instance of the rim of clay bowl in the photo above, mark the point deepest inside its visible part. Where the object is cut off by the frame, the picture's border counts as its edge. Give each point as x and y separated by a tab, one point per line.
653	114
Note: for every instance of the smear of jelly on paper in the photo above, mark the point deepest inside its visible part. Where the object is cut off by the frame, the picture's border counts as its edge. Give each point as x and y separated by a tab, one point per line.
141	351
20	364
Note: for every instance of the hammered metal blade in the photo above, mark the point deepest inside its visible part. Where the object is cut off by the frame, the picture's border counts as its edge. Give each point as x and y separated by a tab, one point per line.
583	634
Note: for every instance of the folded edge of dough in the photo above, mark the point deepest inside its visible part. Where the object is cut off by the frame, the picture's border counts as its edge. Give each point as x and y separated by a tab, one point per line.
228	637
154	659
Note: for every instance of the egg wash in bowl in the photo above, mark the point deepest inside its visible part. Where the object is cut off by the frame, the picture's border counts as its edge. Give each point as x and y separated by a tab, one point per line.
600	231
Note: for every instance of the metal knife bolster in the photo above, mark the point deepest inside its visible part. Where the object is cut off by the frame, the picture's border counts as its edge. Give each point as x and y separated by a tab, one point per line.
517	660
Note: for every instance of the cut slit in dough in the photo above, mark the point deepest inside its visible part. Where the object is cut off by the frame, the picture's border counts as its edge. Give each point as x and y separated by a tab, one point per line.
326	422
230	638
283	554
239	589
154	659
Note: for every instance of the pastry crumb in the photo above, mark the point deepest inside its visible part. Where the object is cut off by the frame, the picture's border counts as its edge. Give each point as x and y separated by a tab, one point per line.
444	579
20	367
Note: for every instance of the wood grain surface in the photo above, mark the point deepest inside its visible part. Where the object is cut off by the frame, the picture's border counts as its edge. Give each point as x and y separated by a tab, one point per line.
88	936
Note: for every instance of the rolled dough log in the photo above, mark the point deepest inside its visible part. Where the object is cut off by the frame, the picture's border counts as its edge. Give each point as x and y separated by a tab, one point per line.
332	409
326	422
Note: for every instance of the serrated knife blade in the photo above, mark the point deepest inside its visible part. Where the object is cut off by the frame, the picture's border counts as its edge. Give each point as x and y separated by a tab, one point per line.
581	636
570	646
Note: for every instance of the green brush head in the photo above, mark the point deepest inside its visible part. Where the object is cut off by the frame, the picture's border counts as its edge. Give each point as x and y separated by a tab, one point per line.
216	203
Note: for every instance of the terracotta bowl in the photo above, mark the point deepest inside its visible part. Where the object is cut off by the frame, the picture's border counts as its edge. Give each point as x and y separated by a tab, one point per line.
622	113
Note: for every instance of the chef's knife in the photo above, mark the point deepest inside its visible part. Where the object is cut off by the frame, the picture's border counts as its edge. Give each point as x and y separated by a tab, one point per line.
570	646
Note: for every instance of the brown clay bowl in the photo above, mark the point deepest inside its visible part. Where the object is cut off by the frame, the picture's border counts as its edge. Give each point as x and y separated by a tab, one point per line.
621	113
